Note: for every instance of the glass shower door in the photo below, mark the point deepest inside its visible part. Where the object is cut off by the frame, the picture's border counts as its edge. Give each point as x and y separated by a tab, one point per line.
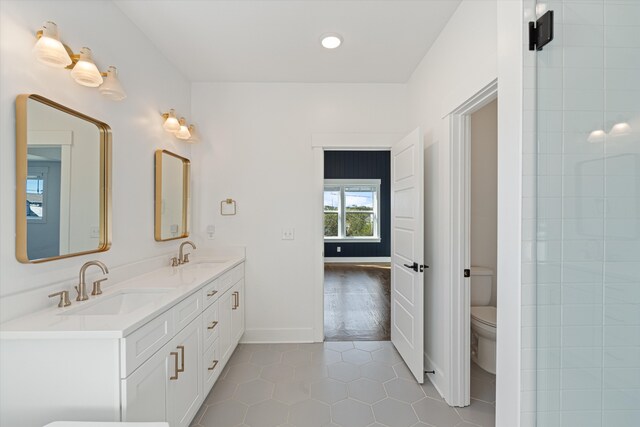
588	216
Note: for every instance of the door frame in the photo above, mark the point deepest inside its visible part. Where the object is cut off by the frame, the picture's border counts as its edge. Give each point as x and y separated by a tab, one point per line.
321	142
460	155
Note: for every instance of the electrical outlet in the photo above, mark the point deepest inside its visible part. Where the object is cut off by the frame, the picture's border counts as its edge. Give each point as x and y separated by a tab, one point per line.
94	232
288	233
211	232
338	249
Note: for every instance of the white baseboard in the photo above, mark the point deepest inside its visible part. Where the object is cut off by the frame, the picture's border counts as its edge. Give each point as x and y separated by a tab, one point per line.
438	379
276	336
357	259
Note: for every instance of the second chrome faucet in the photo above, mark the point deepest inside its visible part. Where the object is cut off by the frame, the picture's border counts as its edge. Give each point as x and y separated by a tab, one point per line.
182	258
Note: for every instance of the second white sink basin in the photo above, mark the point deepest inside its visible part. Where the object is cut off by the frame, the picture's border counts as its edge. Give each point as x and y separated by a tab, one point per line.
123	302
204	264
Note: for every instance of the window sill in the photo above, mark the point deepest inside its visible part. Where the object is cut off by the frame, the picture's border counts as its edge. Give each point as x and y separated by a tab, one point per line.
352	240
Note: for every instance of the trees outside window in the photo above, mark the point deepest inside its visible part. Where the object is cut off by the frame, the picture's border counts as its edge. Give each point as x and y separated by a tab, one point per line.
351	210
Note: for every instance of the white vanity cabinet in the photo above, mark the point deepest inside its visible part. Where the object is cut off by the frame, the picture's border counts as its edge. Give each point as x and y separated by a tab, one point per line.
168	386
161	371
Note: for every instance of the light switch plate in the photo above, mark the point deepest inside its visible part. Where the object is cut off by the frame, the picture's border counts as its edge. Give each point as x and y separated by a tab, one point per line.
288	233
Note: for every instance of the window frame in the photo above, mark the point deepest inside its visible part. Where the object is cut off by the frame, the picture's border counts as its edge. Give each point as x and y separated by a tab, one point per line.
342	184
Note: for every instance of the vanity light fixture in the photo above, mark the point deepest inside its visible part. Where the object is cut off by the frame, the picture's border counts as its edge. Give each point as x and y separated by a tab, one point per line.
178	127
171	123
51	51
111	88
331	40
85	72
183	132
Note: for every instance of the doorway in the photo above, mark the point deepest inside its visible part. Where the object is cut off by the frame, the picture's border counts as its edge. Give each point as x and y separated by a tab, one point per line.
357	245
474	248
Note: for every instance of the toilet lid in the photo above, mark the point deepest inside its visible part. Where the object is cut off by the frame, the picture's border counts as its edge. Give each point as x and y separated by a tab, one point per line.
484	314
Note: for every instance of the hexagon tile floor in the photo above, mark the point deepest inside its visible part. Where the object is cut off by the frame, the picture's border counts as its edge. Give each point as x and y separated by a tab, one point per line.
348	384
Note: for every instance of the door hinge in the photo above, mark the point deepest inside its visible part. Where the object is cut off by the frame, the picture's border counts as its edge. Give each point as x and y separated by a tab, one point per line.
467	272
541	31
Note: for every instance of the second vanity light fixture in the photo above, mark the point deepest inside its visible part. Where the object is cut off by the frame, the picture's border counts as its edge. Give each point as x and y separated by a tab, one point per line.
178	127
51	51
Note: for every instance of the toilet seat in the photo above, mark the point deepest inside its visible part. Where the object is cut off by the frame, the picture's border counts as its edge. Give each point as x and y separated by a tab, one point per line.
484	314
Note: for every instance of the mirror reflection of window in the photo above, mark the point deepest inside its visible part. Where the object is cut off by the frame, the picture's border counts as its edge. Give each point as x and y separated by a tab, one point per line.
65	178
35	196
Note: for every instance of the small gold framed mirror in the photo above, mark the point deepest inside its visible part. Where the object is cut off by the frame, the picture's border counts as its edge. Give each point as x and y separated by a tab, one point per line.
171	196
63	181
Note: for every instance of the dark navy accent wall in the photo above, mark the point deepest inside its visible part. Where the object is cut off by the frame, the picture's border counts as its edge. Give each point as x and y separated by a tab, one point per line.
365	165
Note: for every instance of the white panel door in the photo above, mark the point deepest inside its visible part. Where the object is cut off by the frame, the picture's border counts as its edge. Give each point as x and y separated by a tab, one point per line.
407	213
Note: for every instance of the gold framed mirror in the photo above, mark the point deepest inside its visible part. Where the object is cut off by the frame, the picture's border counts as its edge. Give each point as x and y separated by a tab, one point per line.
63	181
171	196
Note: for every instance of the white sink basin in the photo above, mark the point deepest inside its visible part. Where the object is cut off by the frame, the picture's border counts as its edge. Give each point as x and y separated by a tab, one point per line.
204	264
123	302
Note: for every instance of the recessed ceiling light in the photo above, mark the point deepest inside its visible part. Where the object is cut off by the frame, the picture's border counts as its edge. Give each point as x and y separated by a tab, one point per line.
330	41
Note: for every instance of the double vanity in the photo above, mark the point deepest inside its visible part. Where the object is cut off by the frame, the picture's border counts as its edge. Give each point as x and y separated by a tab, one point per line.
149	348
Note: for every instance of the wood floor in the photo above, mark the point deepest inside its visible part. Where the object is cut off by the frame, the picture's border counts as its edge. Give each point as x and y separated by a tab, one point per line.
356	302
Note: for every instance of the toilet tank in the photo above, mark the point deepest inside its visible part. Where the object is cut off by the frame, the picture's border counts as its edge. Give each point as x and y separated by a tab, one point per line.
481	284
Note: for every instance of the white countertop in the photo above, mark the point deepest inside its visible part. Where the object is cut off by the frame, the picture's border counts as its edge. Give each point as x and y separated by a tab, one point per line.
60	323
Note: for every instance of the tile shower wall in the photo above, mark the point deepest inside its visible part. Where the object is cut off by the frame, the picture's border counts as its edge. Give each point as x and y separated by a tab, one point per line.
588	216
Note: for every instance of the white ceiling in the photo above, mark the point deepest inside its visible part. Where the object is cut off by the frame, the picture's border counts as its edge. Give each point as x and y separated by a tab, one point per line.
278	41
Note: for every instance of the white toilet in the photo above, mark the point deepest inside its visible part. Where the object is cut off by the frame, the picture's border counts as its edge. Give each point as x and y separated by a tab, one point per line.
483	319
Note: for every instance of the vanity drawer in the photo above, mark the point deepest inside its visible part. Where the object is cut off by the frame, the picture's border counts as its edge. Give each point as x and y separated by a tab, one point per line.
237	273
210	326
144	342
211	366
186	311
210	292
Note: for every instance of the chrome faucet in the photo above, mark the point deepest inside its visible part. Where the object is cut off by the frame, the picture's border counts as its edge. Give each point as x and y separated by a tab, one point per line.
82	288
182	257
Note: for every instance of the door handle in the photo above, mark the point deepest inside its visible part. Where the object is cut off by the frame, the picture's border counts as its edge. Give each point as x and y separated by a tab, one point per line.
416	267
181	348
413	266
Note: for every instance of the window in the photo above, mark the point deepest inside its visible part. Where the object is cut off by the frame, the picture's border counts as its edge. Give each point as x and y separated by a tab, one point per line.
351	210
36	179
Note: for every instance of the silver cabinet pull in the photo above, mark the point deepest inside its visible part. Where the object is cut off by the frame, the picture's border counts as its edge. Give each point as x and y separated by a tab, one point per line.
212	325
213	366
175	368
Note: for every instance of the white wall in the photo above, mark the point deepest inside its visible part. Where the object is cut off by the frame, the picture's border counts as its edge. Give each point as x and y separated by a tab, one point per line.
258	152
484	189
460	63
152	84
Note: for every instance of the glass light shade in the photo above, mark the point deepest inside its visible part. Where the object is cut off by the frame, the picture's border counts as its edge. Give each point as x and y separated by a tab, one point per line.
331	41
620	129
596	136
111	88
194	137
85	71
49	49
171	123
183	132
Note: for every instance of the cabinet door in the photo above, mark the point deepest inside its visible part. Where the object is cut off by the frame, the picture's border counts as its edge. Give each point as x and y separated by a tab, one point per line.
144	392
237	316
225	308
184	382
